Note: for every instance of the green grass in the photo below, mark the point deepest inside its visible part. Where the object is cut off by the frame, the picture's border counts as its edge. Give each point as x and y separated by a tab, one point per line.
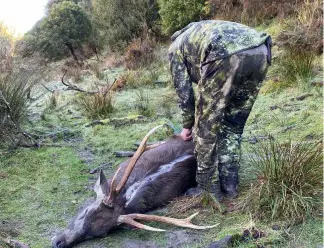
284	117
41	190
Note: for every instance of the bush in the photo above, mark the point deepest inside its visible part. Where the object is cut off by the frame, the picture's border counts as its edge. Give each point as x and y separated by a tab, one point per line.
139	53
252	12
176	14
304	33
99	105
289	181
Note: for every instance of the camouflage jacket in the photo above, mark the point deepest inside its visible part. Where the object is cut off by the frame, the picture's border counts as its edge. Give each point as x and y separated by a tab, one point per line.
201	43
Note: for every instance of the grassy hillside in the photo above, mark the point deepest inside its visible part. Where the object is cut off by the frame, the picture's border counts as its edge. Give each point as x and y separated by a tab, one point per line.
42	188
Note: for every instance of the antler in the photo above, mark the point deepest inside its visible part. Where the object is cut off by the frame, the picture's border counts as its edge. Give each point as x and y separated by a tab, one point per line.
114	190
129	219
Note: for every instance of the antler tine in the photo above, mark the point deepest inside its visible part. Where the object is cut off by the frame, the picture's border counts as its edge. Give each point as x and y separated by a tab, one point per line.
134	159
129	219
112	188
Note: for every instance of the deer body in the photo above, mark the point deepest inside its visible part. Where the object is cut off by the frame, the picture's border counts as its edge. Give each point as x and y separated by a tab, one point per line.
159	175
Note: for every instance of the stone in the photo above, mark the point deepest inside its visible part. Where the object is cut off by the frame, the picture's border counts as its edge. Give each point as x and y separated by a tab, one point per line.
222	243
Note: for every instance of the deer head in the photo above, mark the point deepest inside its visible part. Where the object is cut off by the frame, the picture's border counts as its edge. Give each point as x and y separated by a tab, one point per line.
107	212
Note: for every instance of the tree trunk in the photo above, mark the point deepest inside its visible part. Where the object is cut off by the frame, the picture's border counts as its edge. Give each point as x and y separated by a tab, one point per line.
70	47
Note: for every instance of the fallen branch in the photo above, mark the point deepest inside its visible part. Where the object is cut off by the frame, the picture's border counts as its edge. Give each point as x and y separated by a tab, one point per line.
48	89
122	154
76	88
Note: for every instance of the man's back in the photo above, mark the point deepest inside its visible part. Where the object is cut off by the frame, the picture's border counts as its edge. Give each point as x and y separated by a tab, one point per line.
206	41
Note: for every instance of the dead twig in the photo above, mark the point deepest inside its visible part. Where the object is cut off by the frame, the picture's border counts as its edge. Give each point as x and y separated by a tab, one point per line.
76	88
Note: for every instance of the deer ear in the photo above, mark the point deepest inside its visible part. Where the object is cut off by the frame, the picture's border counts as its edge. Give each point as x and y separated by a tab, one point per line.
101	186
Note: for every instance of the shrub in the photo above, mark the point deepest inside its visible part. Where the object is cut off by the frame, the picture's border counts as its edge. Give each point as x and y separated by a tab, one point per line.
304	33
176	14
99	105
289	181
252	12
139	53
142	103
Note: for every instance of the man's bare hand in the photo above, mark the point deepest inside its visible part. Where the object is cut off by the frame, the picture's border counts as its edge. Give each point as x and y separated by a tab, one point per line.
186	134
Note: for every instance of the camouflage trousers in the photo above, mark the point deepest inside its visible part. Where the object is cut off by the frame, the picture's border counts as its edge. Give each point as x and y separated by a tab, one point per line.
226	93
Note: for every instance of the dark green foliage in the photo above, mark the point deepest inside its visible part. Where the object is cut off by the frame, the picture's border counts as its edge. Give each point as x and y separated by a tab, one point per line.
289	181
176	14
68	25
66	28
120	21
86	5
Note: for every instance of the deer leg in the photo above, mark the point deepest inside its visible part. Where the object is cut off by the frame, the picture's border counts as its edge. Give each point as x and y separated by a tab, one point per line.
130	219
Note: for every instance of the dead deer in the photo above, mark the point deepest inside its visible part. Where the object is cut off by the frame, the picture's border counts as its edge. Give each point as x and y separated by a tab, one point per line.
155	175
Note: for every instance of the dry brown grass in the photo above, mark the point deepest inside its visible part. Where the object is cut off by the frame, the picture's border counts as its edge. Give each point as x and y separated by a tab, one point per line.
252	12
184	203
139	52
304	33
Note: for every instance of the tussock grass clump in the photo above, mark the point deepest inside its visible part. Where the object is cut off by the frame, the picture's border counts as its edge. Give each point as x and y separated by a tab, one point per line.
98	105
138	78
296	66
143	103
289	181
14	91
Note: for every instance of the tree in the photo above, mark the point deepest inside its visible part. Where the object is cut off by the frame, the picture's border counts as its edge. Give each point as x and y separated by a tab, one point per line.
120	21
67	24
176	14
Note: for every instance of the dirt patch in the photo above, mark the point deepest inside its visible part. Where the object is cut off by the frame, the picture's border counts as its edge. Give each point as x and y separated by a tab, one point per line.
129	243
182	238
86	156
10	228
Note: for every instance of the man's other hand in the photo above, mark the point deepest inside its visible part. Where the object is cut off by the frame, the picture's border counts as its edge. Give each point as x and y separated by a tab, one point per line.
186	134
